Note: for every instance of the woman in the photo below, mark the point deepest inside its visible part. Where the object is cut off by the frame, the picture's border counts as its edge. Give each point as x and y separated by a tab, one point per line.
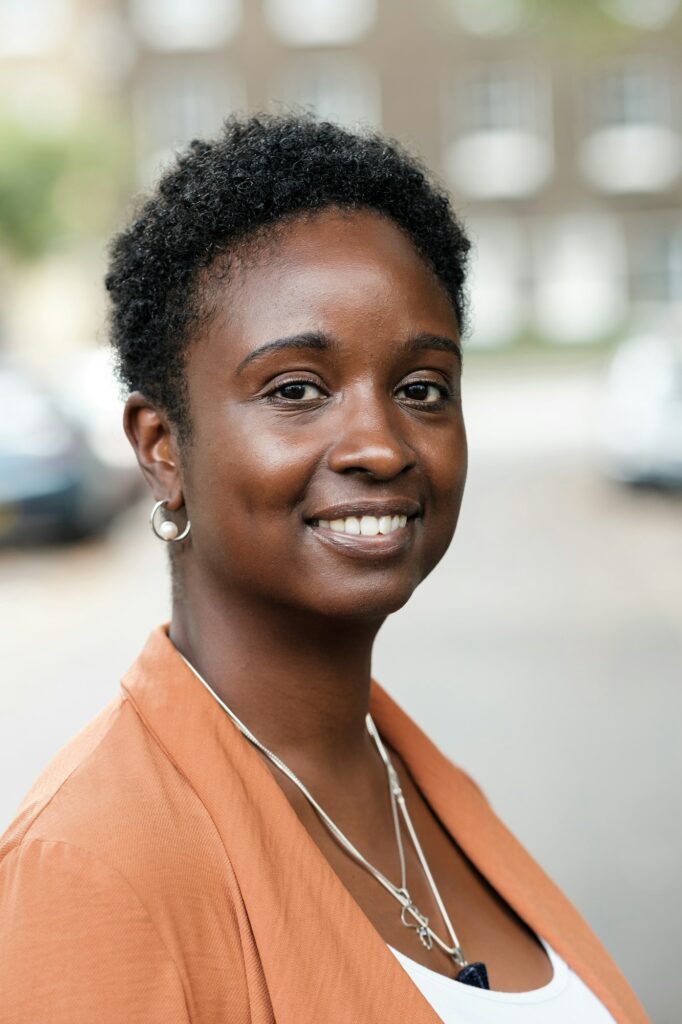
235	838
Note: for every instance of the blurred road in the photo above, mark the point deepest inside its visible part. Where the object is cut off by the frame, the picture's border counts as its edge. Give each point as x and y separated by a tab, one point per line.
544	655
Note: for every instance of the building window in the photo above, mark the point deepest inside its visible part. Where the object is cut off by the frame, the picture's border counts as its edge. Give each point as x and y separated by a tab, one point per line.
175	105
631	144
342	90
580	277
186	24
656	246
498	286
32	27
320	22
630	96
498	131
105	46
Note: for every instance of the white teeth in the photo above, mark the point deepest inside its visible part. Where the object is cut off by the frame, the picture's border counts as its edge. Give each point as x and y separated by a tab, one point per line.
369	526
385	524
366	526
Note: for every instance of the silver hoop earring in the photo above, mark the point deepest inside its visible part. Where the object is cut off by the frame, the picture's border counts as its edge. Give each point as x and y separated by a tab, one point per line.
168	530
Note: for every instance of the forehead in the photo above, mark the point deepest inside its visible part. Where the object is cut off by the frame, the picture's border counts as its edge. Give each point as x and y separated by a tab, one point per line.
345	272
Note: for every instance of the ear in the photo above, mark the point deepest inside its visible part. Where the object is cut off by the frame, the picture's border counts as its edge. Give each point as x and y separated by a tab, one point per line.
155	446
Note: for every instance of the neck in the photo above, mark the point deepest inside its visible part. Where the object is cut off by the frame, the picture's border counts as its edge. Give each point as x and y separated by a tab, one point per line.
300	683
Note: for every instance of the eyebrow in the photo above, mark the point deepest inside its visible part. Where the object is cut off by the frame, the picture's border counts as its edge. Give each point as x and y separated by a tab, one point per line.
323	342
309	339
425	340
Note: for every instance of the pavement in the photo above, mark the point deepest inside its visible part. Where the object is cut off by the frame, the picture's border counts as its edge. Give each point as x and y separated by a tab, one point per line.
544	655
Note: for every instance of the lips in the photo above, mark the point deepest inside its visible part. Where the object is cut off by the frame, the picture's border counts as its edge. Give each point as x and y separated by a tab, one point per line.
377	529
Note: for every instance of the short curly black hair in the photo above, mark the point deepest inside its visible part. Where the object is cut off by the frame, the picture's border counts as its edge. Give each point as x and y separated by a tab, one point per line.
257	173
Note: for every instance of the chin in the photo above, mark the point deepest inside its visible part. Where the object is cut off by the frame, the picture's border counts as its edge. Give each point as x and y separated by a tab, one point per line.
365	604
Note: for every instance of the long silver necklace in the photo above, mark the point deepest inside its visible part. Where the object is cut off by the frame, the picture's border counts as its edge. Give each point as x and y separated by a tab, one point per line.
471	974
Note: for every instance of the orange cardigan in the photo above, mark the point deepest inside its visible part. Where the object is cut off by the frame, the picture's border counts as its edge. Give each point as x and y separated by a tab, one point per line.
156	873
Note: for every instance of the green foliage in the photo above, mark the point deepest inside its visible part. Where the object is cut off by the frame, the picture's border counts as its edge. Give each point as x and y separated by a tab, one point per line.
584	26
57	188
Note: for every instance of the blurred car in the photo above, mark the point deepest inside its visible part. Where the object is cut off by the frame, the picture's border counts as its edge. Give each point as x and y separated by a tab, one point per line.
641	426
53	484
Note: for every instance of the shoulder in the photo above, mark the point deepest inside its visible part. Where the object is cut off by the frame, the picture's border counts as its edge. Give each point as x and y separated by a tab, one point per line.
114	877
77	942
113	792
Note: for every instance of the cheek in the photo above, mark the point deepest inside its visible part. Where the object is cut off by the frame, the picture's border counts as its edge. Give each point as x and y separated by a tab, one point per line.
446	470
247	470
244	509
271	472
445	462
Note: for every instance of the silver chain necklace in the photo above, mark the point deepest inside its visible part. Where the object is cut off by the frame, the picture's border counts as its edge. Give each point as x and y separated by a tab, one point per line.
471	974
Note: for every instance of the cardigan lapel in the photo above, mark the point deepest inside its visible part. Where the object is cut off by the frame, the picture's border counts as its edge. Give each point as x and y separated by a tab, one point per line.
501	859
321	956
341	969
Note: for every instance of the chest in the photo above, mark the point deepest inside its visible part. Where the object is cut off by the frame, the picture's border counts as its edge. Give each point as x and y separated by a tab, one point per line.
487	928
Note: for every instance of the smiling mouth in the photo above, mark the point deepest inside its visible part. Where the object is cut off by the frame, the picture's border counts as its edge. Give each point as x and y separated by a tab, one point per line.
367	536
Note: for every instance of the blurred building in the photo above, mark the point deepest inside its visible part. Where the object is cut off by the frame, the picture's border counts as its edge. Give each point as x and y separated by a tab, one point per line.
560	137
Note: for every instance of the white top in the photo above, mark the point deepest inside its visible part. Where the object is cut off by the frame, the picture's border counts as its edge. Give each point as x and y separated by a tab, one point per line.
566	999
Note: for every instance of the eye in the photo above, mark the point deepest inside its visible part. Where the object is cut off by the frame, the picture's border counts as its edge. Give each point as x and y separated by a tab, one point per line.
424	392
296	391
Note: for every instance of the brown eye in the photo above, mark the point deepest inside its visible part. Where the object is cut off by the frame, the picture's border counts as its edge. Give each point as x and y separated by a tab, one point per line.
297	391
424	392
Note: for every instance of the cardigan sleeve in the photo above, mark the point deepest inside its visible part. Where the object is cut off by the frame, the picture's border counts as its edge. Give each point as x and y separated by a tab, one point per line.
77	945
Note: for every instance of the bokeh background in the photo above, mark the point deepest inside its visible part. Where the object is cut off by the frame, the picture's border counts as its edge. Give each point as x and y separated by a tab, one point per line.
545	652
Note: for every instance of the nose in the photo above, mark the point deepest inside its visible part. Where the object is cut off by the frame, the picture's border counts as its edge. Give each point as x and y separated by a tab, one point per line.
370	440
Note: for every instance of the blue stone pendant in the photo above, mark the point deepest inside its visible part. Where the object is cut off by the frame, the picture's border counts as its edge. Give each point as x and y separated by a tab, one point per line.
474	975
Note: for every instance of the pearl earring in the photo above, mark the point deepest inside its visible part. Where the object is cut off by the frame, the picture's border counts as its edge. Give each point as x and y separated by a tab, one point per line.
167	530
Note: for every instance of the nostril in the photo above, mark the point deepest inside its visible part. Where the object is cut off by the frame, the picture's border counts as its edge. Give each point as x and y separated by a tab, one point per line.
364	451
379	469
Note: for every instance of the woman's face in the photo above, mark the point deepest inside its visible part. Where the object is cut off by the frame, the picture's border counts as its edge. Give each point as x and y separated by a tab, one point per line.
326	406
